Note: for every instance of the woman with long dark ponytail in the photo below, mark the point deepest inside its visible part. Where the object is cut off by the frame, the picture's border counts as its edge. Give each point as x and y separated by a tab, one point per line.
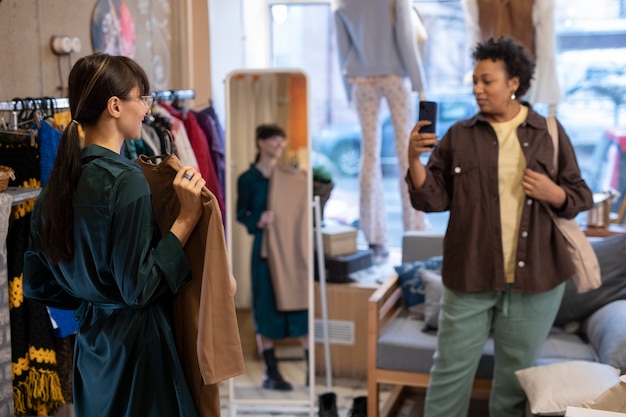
94	248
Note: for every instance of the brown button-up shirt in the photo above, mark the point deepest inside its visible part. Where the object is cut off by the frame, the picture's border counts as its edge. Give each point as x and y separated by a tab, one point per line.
462	177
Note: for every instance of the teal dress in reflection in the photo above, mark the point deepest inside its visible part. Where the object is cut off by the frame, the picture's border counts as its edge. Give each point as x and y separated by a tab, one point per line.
120	280
252	190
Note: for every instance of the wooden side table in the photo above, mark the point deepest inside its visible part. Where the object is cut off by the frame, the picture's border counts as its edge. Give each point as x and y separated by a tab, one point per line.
613	229
346	303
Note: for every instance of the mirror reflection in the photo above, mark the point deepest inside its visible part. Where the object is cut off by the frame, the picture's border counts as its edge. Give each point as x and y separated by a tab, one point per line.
269	229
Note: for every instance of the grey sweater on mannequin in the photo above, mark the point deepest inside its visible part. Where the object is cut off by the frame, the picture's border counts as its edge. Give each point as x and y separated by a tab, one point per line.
376	38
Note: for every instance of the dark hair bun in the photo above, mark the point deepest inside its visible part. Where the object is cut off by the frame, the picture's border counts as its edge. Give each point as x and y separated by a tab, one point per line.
269	130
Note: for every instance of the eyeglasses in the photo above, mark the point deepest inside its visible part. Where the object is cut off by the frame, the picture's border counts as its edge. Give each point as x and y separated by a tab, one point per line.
147	100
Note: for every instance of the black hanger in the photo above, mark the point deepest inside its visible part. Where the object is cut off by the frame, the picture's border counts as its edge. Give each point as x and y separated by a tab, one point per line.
166	138
48	107
35	112
29	111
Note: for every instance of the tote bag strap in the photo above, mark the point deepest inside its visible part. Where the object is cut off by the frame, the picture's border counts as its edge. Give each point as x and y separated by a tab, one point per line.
554	134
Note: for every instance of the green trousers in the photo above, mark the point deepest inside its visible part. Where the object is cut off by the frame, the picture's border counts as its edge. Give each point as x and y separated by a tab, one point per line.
519	324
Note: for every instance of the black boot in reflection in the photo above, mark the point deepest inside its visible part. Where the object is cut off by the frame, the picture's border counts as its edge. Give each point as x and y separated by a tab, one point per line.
359	407
306	357
328	405
272	378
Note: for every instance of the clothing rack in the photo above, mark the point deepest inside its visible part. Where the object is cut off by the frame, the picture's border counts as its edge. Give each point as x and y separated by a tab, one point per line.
64	103
20	194
33	103
28	110
175	95
166	95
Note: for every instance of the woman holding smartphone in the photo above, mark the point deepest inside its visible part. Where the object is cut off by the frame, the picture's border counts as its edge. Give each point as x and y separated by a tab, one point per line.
504	264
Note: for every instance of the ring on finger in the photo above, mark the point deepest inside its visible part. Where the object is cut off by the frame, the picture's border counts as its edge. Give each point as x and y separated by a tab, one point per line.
185	175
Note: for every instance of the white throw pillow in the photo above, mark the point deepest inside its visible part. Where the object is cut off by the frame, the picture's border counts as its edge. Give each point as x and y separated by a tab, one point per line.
552	388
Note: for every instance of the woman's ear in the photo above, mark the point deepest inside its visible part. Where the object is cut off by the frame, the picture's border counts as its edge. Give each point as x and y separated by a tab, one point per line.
113	107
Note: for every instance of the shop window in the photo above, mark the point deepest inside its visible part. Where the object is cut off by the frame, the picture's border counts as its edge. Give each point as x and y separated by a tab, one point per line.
591	66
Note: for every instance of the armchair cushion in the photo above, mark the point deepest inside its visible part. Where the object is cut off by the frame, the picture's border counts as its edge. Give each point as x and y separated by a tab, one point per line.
561	346
404	346
413	291
605	331
611	252
433	290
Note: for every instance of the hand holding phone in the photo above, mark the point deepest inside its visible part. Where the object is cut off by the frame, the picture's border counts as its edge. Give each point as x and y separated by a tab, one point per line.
428	111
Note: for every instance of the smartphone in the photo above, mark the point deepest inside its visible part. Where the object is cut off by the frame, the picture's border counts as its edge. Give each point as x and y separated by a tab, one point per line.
428	111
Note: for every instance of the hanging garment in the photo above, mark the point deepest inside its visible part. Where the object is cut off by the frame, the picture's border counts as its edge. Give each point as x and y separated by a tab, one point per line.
132	148
285	241
200	147
23	158
159	138
514	18
48	138
62	119
184	151
205	322
532	24
207	120
6	378
36	385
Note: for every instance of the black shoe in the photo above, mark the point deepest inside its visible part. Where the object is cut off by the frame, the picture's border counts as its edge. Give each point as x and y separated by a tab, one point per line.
379	249
380	252
327	404
277	384
359	407
306	358
272	378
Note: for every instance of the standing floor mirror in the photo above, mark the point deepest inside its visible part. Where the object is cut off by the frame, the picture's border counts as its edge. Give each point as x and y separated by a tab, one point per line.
279	97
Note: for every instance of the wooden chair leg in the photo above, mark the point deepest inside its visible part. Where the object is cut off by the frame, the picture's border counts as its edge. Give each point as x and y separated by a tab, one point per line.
373	398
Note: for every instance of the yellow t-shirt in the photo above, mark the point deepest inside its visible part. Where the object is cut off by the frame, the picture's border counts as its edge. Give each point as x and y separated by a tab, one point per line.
511	165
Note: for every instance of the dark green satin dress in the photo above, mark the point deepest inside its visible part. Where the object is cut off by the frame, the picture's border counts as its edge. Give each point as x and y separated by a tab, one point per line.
120	280
252	191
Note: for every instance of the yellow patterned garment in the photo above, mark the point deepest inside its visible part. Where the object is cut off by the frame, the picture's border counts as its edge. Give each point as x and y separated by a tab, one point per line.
36	382
63	119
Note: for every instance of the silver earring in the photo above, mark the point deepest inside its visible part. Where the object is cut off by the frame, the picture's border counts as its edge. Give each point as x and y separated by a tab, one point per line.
513	95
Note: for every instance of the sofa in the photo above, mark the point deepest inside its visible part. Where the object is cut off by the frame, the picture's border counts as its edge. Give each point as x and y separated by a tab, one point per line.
589	332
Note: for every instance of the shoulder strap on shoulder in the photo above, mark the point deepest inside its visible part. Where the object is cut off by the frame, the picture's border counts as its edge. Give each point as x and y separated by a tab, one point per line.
554	134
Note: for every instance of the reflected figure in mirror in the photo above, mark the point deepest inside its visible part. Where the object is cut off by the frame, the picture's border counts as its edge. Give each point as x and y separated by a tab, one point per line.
271	321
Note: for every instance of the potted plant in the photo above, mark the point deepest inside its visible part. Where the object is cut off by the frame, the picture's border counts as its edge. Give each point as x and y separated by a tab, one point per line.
322	186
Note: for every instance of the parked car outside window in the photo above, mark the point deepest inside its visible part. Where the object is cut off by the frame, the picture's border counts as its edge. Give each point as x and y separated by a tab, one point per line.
341	143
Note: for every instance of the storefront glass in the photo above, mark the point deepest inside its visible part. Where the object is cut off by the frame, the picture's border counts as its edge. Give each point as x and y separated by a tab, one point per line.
591	68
